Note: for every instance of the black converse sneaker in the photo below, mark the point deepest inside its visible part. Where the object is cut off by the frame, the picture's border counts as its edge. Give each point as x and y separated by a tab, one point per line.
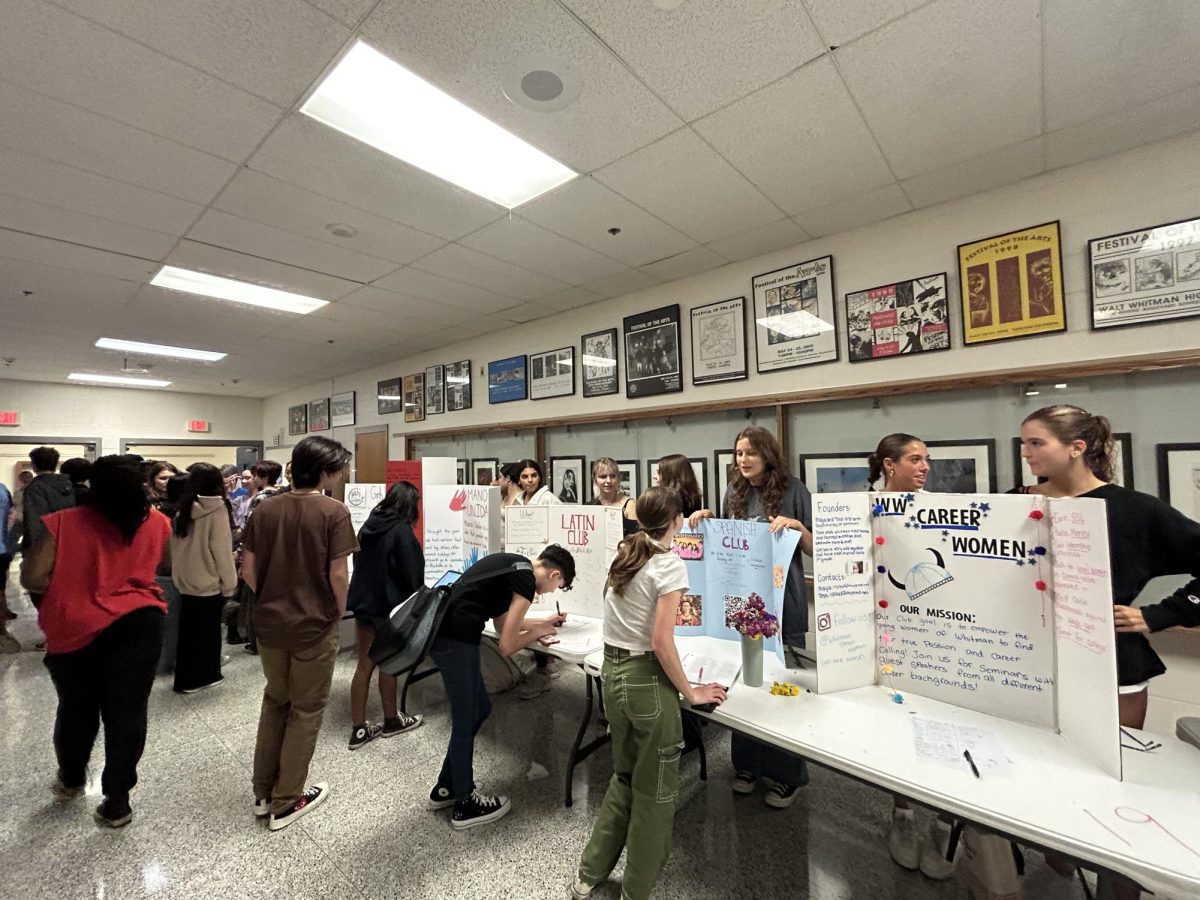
364	734
308	800
479	809
113	814
400	724
442	797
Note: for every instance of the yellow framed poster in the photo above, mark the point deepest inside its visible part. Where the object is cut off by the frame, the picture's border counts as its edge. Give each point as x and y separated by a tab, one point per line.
1012	285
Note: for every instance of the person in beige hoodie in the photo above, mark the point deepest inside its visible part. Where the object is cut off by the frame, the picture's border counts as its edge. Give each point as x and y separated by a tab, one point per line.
203	571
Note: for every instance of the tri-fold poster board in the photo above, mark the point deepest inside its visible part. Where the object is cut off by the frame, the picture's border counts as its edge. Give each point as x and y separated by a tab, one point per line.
997	603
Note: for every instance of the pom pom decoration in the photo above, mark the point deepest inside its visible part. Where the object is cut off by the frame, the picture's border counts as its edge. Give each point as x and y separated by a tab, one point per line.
1040	585
880	540
896	698
883	604
1037	515
886	638
887	670
1039	551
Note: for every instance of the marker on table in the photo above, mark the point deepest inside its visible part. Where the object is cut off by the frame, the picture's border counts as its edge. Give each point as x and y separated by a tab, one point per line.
971	762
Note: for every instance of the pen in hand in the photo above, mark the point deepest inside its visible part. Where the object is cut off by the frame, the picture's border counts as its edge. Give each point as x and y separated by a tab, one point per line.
971	763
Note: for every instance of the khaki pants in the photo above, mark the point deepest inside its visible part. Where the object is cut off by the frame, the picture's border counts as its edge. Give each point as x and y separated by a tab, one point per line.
293	705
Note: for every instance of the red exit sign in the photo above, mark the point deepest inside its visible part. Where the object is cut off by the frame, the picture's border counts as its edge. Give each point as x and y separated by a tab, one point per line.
10	417
198	425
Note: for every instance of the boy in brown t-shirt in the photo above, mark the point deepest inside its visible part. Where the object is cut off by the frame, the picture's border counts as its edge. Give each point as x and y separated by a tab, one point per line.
295	552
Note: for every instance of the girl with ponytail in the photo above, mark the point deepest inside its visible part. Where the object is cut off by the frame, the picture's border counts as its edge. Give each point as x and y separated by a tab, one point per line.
642	679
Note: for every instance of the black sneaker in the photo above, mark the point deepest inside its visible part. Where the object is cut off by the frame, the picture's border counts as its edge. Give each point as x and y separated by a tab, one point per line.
442	798
203	687
479	809
400	724
781	795
308	800
113	814
364	734
65	791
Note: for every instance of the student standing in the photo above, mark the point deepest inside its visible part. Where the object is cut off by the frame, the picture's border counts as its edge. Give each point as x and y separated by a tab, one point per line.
502	588
761	489
642	679
388	568
606	491
295	560
203	572
533	485
8	643
102	617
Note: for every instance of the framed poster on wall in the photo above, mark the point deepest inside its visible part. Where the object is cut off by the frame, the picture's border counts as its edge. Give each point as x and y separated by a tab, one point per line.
318	414
598	352
341	409
631	476
414	397
552	374
653	363
723	463
483	471
962	467
699	469
458	385
719	341
898	319
1179	477
298	419
507	380
1122	459
795	323
435	390
388	397
1012	285
567	478
1145	276
831	473
461	467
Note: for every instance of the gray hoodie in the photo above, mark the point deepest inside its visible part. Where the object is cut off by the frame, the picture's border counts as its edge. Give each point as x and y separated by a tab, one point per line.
202	562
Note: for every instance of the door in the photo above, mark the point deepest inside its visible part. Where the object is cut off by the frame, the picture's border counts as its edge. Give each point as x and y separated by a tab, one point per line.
14	453
370	457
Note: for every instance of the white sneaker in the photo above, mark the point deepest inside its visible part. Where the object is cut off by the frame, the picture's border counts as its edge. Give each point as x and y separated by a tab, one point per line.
309	800
902	839
581	890
534	686
933	854
262	808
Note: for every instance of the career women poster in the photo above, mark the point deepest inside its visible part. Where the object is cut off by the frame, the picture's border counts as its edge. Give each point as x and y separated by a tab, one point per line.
1012	285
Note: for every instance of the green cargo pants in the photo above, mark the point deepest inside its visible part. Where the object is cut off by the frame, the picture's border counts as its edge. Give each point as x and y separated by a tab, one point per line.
638	810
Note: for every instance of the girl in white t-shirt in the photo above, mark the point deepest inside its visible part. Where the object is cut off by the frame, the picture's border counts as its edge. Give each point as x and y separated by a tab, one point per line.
642	679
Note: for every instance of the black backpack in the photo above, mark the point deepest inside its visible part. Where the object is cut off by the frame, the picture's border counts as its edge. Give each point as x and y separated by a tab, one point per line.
403	638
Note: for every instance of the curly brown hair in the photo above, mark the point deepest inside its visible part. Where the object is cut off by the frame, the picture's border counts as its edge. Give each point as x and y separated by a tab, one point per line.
775	474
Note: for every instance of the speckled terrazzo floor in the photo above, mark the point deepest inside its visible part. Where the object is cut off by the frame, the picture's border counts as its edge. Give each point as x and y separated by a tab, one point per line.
193	834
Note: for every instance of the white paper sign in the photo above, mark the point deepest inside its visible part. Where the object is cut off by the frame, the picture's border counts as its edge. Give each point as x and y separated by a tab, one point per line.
462	525
843	590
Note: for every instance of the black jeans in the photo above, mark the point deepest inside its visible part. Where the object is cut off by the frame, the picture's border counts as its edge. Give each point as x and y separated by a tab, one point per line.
109	679
470	706
198	656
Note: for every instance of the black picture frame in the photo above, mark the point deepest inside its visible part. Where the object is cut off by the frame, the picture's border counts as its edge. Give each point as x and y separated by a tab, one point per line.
458	385
850	467
653	353
389	397
979	450
1123	474
595	350
342	409
490	463
723	463
699	469
508	379
810	272
1125	255
718	335
567	478
461	468
298	419
546	376
1164	455
875	314
318	415
631	472
435	390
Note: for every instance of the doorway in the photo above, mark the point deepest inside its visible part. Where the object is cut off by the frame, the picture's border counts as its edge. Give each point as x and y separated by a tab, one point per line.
14	452
182	454
370	457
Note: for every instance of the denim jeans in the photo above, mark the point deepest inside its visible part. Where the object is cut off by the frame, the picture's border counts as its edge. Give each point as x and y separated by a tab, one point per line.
470	706
638	810
170	625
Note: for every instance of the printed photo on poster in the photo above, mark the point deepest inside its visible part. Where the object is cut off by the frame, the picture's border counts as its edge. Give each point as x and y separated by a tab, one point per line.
1012	285
414	398
598	352
1179	477
507	380
552	374
719	341
652	357
898	319
723	463
298	419
458	385
341	409
832	473
435	390
962	467
483	471
795	323
318	415
1122	460
1144	276
388	397
567	478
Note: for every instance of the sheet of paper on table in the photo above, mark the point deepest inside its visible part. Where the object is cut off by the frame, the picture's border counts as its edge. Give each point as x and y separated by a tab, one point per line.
942	743
716	671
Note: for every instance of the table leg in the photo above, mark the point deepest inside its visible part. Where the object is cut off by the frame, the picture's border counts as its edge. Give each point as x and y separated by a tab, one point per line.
579	750
411	679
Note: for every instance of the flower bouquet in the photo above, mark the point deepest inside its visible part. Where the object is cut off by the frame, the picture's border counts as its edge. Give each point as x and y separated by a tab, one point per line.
752	621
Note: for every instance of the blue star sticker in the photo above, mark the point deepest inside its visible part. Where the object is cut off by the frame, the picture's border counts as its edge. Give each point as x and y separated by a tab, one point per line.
945	534
1020	562
877	509
908	524
912	518
974	505
985	507
910	497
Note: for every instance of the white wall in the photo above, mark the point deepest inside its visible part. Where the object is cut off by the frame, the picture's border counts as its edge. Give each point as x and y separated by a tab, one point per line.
68	410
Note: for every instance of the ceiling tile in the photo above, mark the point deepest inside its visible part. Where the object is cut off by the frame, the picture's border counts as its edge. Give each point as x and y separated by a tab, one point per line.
464	264
841	22
846	214
219	324
235	233
466	48
398	323
757	241
584	210
684	182
436	289
402	310
304	152
974	176
230	264
261	198
525	312
56	284
689	262
821	151
622	283
571	298
929	88
271	48
700	56
1106	55
64	255
80	228
41	126
1151	121
349	12
55	53
518	241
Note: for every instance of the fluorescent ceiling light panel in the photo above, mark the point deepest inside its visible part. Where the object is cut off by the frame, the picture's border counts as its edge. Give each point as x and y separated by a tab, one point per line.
116	379
159	350
190	282
379	102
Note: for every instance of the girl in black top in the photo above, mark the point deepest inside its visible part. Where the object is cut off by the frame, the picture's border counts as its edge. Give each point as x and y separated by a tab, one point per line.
1072	450
606	491
388	567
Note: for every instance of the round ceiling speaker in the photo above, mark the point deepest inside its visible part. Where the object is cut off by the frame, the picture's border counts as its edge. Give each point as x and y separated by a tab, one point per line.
542	82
